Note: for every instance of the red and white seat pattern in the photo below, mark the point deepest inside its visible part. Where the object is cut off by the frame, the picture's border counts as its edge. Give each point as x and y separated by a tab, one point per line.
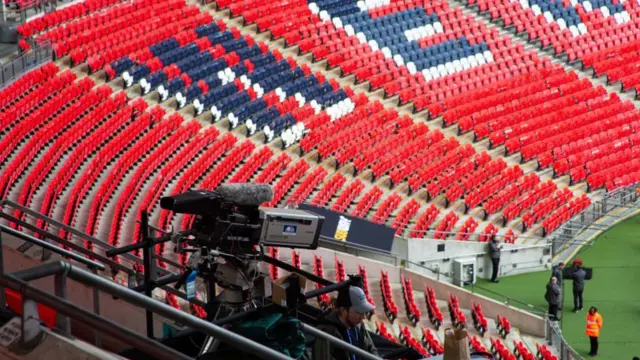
332	37
577	29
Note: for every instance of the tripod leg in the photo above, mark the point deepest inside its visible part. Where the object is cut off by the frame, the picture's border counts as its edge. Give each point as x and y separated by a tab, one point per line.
210	343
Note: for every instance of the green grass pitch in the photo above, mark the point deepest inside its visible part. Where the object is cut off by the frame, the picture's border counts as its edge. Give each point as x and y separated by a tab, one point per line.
614	290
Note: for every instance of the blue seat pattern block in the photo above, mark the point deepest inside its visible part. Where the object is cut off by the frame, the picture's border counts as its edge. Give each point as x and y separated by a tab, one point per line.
396	35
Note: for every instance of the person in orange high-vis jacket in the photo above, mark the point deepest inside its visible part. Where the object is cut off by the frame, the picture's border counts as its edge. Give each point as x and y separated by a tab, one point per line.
594	324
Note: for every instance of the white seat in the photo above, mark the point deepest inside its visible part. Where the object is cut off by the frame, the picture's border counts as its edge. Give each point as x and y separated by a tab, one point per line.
561	24
536	9
349	30
411	67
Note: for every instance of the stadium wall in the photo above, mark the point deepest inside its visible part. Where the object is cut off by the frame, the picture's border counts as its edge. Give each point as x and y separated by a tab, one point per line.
437	255
527	323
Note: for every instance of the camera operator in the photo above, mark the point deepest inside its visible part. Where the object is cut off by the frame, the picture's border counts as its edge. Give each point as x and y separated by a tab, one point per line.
346	323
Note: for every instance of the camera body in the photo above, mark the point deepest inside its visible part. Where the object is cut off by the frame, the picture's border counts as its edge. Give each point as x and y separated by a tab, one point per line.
235	227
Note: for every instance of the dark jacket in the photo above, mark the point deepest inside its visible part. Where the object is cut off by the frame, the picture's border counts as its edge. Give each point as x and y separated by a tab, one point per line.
553	294
557	273
322	350
494	250
578	280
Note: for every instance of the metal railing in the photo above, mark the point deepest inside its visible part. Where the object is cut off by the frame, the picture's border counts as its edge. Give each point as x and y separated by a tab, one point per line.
558	343
38	55
360	250
565	235
32	333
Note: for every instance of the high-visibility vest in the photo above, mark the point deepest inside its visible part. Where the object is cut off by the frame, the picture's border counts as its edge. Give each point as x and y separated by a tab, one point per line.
594	324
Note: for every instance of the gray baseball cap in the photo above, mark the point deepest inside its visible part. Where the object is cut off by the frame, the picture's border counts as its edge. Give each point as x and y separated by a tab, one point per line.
359	301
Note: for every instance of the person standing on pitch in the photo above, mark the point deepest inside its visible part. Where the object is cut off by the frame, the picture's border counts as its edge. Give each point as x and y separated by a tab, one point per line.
578	287
594	324
557	273
553	297
494	253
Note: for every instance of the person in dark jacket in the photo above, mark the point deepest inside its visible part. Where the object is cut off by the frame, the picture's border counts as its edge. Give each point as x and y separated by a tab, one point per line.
494	254
578	287
553	298
557	273
346	323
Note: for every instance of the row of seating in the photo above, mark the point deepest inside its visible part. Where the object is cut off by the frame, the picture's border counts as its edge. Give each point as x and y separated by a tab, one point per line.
433	310
195	174
425	219
406	213
413	311
458	320
500	350
343	39
390	308
296	259
365	286
366	202
467	229
341	274
476	345
327	190
63	15
407	339
443	230
520	351
503	325
347	196
310	182
152	164
382	330
318	270
577	29
479	320
431	342
489	233
544	353
284	183
274	271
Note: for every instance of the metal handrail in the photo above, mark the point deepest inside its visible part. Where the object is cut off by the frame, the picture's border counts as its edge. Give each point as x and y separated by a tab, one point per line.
82	276
90	319
58	250
509	299
38	55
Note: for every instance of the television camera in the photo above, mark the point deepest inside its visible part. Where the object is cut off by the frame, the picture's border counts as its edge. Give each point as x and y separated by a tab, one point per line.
228	232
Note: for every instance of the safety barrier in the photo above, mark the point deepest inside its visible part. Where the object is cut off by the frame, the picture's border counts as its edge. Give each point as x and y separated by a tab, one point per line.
38	55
